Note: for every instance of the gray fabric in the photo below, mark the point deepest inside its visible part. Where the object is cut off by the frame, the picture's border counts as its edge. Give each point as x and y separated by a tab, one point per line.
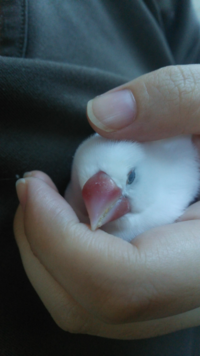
55	56
13	27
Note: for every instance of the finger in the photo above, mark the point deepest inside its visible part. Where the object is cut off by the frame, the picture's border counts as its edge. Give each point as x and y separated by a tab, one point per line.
70	316
67	313
192	213
157	105
110	278
151	328
85	263
43	176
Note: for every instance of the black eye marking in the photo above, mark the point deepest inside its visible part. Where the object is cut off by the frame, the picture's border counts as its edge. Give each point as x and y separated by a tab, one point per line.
131	177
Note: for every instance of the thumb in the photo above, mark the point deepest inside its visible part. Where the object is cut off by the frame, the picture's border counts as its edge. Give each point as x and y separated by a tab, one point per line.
157	105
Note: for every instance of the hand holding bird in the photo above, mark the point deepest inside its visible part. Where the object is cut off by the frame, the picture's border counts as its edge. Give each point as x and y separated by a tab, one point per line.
92	282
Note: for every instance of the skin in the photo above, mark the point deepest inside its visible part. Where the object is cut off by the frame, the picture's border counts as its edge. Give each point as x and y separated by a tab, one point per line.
95	283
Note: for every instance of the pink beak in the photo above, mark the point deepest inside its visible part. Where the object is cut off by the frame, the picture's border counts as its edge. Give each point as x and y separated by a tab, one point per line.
104	200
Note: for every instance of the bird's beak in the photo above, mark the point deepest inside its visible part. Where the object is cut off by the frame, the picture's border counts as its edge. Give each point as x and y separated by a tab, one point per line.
104	200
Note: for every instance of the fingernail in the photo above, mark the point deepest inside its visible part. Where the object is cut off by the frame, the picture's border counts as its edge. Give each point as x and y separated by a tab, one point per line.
21	189
27	174
112	111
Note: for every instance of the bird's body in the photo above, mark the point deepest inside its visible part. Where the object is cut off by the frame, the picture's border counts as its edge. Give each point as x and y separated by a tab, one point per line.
151	183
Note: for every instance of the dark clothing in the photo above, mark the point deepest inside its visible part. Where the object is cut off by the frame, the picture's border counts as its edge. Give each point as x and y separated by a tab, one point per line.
55	56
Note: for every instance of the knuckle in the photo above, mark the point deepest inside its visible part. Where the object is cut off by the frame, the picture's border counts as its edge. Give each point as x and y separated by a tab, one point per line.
63	325
115	315
179	87
182	83
136	303
79	325
136	308
73	329
72	321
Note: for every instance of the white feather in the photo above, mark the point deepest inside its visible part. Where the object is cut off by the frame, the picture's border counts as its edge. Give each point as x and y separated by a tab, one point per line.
167	180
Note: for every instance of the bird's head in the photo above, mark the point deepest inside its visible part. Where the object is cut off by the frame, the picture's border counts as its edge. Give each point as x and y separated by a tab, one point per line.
110	175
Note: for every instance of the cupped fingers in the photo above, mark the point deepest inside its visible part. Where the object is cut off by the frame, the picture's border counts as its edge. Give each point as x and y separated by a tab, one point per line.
93	267
113	280
66	312
72	317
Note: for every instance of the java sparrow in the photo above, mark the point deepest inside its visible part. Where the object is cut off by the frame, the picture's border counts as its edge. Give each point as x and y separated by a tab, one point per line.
126	188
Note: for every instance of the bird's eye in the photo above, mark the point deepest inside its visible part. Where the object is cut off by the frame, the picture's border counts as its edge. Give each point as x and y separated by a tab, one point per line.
131	177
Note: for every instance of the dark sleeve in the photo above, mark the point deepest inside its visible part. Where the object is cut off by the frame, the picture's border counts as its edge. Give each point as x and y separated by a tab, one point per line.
182	29
55	55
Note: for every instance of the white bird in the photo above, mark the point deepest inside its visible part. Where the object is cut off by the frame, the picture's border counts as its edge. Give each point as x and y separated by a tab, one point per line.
128	187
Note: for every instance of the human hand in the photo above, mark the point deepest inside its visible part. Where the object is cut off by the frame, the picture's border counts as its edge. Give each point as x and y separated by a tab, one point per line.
157	105
98	284
95	283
